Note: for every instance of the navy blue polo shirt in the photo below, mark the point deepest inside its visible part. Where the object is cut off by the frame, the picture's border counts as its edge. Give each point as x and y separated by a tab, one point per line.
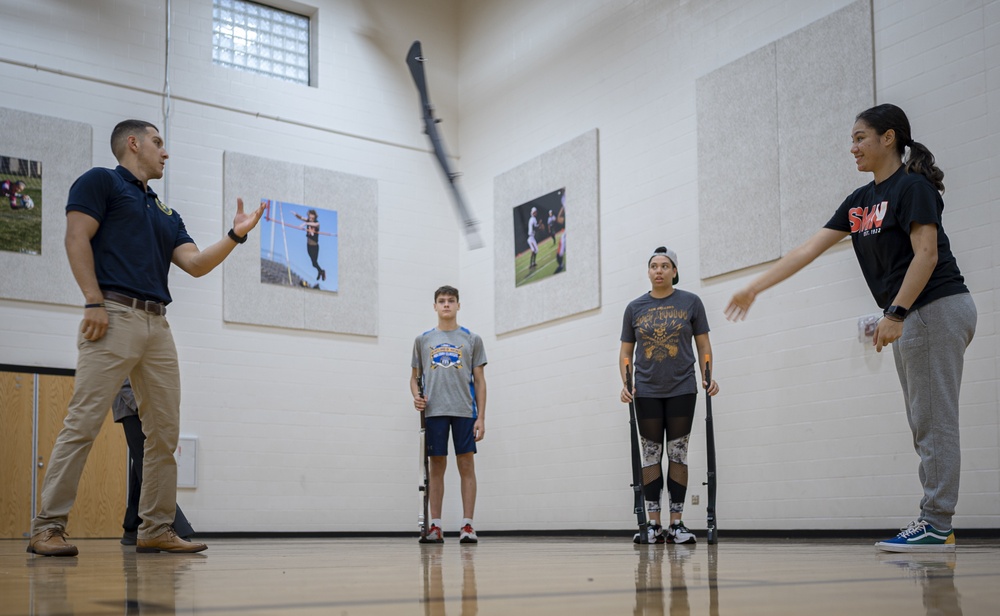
137	235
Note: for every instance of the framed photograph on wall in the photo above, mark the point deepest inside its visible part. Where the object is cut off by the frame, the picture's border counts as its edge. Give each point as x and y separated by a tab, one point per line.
20	205
298	246
539	231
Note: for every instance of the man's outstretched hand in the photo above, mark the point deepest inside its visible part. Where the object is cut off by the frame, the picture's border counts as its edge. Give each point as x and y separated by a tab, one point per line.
243	223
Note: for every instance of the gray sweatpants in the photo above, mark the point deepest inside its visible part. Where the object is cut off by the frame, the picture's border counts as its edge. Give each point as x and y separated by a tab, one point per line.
929	359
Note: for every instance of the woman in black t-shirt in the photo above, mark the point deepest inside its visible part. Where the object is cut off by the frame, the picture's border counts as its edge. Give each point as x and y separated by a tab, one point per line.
896	229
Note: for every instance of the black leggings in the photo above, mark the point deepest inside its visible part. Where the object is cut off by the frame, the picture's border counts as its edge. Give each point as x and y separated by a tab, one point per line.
671	418
313	250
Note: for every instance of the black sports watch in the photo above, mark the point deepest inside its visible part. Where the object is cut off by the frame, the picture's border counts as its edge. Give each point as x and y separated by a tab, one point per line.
236	238
895	311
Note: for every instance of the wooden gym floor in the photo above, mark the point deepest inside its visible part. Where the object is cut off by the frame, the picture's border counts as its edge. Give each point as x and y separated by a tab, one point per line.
502	575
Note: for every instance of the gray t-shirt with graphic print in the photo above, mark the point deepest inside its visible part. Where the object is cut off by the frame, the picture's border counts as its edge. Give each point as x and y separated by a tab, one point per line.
662	330
447	359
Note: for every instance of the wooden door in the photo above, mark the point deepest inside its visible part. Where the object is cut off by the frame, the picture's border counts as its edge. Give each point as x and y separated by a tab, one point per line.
100	501
17	393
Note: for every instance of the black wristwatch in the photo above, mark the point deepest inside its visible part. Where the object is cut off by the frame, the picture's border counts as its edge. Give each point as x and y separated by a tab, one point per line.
236	238
895	311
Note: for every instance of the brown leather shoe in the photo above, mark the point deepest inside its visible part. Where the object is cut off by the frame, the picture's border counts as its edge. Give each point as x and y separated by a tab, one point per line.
51	542
168	541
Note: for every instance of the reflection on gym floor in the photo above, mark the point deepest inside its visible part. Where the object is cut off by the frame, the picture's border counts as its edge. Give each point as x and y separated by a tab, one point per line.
434	598
501	575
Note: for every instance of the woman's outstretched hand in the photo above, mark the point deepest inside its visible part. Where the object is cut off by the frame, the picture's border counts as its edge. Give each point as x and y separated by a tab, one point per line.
740	304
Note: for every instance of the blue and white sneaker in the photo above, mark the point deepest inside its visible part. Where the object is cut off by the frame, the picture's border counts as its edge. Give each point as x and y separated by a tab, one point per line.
919	536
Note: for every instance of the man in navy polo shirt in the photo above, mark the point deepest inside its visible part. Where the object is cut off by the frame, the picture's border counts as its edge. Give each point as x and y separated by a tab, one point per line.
121	240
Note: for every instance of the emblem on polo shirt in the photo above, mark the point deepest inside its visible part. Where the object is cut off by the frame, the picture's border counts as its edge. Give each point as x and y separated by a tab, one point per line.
163	207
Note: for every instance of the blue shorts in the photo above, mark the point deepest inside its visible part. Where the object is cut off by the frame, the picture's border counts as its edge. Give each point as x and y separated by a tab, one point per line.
461	432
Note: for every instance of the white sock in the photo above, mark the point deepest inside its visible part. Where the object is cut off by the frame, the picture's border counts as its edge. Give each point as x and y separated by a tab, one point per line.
466	521
436	522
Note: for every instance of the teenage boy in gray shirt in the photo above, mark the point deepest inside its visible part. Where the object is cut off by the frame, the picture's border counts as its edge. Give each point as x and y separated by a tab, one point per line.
450	360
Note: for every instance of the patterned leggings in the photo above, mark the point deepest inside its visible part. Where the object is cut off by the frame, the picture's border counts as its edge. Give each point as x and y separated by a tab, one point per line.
667	419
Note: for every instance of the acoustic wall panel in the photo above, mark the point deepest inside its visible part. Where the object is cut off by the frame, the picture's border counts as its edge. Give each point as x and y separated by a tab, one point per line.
825	78
48	154
738	180
774	139
353	309
572	166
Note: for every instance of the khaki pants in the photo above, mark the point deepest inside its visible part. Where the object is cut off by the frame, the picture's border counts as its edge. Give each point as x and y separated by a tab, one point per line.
138	345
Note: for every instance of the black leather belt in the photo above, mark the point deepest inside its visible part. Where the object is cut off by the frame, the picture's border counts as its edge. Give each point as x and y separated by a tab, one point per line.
139	304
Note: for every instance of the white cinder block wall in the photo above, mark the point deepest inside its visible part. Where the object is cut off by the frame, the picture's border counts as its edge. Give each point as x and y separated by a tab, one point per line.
302	431
297	431
810	424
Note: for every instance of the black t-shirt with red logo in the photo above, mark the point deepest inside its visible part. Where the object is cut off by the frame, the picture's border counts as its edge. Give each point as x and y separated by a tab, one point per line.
878	217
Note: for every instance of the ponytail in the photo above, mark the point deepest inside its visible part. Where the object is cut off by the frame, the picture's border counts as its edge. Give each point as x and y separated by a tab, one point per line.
886	117
921	161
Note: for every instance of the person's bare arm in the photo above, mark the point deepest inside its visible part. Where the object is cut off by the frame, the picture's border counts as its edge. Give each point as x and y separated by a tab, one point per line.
200	262
479	381
799	257
625	355
80	229
704	346
923	239
419	402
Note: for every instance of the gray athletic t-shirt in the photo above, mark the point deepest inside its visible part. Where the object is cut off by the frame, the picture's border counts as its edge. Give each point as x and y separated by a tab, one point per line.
448	359
662	330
